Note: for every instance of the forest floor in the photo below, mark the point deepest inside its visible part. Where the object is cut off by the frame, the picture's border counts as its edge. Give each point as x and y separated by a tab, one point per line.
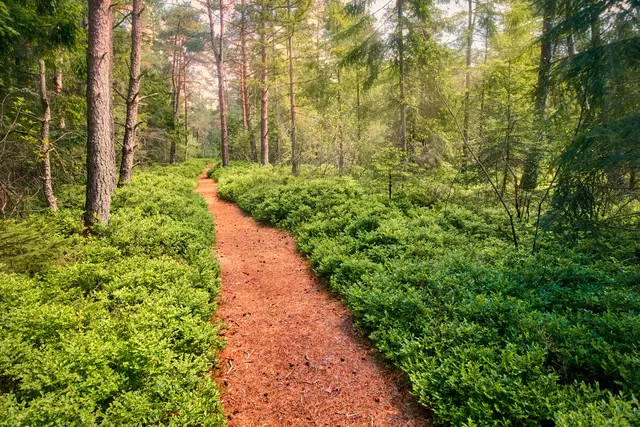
292	356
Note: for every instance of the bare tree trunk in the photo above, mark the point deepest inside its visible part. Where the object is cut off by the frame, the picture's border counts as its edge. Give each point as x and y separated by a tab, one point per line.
264	101
467	81
292	98
245	90
45	147
403	104
219	54
243	66
340	129
358	117
529	180
101	163
133	95
186	112
175	81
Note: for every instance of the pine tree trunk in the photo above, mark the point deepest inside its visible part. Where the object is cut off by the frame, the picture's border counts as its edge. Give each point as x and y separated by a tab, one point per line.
264	100
403	104
529	180
101	163
45	147
186	113
467	78
340	129
292	98
133	95
219	54
175	82
243	67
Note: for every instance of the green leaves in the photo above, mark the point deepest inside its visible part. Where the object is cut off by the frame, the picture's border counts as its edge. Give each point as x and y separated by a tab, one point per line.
486	335
121	335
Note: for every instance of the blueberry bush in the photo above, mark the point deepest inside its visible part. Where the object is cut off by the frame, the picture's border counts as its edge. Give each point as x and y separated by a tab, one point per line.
487	335
115	328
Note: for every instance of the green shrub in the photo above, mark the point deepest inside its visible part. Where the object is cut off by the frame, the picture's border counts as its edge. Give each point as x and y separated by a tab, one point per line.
121	334
486	335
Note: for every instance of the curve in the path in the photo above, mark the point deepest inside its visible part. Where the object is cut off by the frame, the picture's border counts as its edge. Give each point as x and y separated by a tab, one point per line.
292	356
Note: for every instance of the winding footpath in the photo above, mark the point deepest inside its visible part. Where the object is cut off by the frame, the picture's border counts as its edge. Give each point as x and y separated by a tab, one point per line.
292	357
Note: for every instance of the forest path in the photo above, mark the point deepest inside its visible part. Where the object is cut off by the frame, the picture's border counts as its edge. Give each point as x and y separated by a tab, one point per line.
292	357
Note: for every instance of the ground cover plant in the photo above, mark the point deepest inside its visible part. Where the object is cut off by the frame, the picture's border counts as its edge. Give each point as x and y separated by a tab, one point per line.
487	335
113	328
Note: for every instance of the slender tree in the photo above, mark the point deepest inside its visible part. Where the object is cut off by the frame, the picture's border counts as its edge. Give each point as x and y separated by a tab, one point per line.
133	94
264	99
292	92
218	51
100	149
45	146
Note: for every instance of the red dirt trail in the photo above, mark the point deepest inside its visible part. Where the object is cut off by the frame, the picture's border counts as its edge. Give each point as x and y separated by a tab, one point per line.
292	357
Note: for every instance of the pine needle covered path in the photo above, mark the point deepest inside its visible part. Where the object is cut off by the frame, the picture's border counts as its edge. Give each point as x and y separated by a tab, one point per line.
292	356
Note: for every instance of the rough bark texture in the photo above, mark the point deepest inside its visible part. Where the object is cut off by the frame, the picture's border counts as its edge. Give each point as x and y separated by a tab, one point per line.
133	95
245	77
264	100
45	147
403	104
218	51
292	99
101	163
243	67
175	83
467	81
529	180
186	112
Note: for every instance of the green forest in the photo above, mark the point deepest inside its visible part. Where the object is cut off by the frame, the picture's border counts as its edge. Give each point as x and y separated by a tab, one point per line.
460	174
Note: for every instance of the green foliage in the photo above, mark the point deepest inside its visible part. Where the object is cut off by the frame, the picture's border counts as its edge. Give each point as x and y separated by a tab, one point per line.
122	334
486	335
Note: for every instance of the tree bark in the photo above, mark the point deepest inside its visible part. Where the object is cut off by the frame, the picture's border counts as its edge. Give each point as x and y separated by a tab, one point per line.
467	78
219	54
186	112
340	129
133	95
529	180
292	97
264	100
45	147
243	66
403	104
101	163
175	83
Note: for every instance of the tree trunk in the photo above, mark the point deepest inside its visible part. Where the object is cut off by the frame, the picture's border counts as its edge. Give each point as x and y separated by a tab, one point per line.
219	54
292	98
243	66
245	90
101	163
340	129
186	112
403	105
264	101
175	82
529	180
467	78
45	147
358	117
133	95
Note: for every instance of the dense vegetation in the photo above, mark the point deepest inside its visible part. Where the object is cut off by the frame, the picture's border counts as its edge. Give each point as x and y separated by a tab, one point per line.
486	334
113	328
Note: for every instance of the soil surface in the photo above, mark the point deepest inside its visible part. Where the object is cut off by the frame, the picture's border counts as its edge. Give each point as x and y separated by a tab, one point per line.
292	357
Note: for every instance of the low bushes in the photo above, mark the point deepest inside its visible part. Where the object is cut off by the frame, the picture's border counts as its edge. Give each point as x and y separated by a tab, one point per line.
487	335
114	329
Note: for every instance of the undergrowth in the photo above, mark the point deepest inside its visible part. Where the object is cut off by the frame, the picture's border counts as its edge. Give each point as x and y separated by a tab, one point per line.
113	329
487	335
